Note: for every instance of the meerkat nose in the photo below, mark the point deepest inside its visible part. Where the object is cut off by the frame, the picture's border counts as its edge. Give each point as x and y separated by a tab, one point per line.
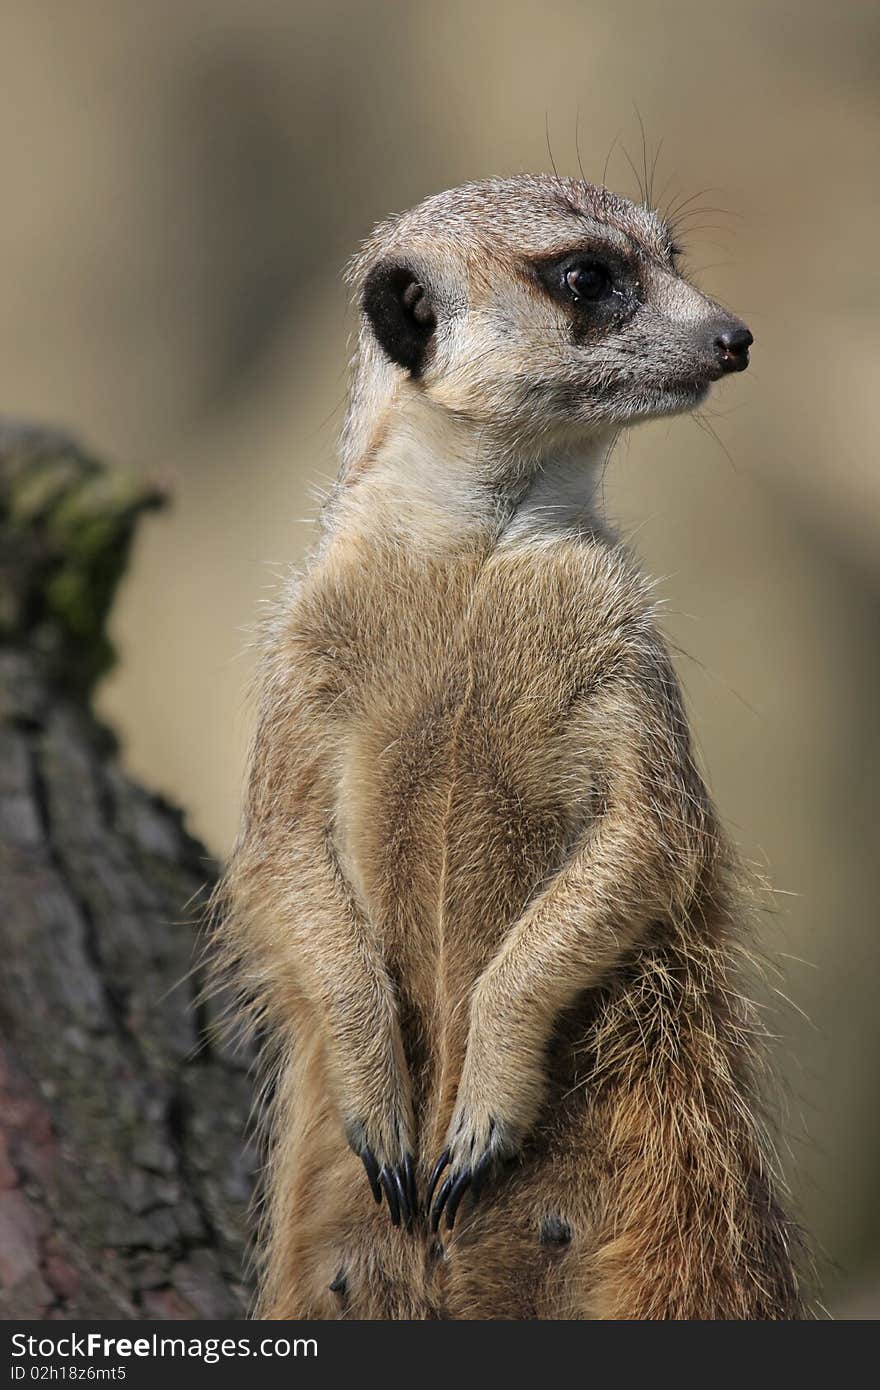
732	345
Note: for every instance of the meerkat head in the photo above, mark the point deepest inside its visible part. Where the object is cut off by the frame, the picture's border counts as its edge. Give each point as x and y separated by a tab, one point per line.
543	309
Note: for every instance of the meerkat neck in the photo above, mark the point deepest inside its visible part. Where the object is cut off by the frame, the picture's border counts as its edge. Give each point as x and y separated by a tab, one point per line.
563	494
440	483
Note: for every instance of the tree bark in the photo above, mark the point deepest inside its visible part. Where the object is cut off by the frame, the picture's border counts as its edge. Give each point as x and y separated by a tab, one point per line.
124	1171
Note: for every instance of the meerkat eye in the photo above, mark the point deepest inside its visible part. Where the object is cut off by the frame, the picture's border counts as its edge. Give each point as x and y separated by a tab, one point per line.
591	281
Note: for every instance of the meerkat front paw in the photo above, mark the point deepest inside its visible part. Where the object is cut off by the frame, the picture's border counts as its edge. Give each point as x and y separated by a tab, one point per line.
384	1146
477	1147
486	1132
499	1098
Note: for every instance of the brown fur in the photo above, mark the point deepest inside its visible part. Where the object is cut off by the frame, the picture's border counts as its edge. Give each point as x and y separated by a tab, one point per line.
480	897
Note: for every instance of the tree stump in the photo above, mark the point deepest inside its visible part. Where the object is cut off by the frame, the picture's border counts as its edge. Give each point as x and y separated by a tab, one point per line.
124	1172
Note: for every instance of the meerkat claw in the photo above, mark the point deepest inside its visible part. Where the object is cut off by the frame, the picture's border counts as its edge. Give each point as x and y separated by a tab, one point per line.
441	1163
387	1181
367	1158
442	1198
411	1186
459	1188
401	1187
449	1198
456	1185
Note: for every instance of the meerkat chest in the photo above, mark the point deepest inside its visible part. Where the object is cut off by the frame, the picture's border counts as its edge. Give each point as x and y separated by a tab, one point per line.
457	713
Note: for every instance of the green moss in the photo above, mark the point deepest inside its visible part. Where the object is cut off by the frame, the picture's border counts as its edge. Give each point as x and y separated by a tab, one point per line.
35	490
68	521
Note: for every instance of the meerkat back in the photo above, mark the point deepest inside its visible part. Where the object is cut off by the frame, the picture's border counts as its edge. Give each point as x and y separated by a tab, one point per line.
480	901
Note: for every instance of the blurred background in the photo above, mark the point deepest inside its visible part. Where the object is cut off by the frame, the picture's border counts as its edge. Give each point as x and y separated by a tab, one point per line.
181	185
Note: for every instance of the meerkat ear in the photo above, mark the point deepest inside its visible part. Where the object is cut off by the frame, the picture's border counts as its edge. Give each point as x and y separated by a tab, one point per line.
401	315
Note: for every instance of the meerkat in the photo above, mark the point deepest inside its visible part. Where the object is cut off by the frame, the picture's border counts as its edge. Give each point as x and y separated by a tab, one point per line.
480	903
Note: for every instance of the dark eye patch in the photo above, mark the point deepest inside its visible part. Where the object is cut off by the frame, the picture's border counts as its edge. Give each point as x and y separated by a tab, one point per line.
597	285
